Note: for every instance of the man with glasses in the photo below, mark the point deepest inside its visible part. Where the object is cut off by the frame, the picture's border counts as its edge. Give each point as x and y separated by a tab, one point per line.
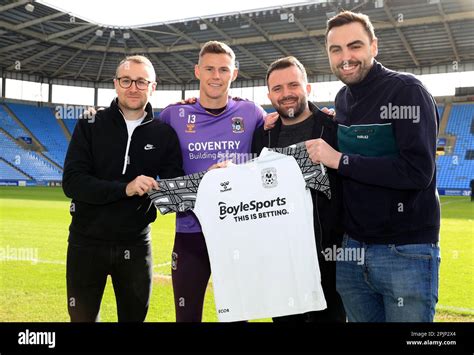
111	163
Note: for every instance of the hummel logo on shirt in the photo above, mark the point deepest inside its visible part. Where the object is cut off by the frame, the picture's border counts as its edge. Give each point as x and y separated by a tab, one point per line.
150	147
225	186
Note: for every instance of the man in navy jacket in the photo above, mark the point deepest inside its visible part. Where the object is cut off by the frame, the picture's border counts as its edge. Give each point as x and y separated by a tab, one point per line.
388	124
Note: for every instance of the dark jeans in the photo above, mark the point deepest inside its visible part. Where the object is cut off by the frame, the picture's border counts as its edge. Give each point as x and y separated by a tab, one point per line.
390	283
131	270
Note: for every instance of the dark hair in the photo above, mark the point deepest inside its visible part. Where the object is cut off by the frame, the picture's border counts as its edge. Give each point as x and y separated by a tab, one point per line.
346	17
215	47
284	63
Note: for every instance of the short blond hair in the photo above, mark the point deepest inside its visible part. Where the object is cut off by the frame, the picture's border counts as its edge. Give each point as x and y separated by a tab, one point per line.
139	59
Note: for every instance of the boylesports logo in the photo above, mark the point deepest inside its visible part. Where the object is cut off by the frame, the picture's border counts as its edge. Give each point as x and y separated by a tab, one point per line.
252	206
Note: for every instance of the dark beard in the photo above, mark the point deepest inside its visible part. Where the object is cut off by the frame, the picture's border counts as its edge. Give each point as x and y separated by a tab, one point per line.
364	70
299	110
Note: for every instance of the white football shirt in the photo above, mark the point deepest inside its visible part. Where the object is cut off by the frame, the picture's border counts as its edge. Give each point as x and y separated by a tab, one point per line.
257	219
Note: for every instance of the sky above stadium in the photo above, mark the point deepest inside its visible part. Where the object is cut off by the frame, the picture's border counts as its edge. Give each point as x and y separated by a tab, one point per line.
139	12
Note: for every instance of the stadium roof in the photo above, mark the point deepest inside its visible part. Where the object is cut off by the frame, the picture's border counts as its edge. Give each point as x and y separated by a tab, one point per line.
50	46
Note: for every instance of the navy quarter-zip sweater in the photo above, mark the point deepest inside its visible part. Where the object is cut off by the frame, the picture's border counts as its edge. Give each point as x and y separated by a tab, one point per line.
388	124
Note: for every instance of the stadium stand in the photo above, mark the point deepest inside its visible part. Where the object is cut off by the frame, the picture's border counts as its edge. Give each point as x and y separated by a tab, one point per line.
440	110
455	171
27	162
42	123
69	115
10	126
70	124
8	172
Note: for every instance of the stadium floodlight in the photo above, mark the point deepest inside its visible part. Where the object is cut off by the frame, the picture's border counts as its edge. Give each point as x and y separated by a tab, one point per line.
99	33
112	34
378	4
284	16
126	35
30	7
203	26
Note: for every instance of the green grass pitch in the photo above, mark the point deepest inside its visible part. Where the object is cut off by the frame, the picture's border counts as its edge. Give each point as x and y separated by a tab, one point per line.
37	220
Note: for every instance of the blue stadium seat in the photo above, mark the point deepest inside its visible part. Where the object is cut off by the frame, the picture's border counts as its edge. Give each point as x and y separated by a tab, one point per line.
10	125
455	172
27	161
9	173
43	124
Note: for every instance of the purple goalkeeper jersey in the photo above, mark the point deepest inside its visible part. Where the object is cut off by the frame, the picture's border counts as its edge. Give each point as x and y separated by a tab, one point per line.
206	139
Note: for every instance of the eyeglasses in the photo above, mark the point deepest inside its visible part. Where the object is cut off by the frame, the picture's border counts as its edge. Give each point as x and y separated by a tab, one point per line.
141	84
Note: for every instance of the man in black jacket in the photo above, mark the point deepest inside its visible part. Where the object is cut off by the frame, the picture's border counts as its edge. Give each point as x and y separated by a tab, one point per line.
300	120
112	161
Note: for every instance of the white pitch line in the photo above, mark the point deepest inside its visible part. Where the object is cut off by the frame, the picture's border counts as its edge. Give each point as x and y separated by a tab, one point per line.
447	203
162	265
452	308
167	277
57	262
34	261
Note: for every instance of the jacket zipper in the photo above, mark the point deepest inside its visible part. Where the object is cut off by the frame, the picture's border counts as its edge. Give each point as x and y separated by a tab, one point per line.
129	140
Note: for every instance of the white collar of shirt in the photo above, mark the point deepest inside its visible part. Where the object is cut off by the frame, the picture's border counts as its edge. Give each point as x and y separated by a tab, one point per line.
132	124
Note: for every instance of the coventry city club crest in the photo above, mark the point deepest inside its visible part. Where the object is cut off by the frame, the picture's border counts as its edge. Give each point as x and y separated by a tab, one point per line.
238	125
269	177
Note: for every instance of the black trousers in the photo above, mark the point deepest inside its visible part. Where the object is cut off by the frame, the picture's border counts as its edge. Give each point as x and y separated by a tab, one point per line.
131	270
190	272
